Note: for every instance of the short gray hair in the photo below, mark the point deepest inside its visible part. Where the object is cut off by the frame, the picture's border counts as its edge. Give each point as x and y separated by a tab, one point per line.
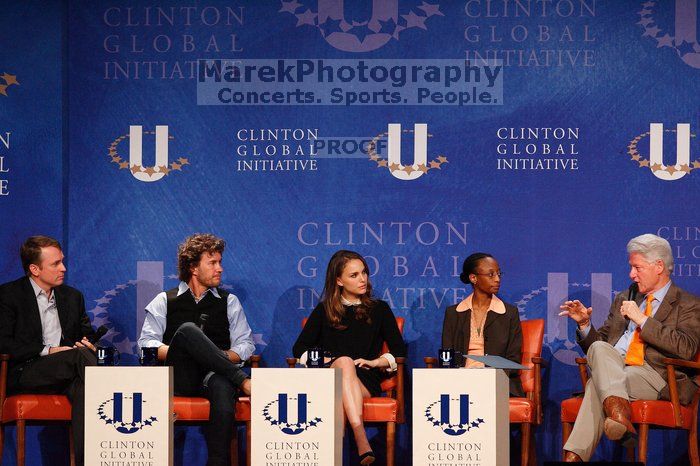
653	248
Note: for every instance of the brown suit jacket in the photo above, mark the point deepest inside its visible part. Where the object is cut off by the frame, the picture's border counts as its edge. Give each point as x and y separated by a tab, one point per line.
673	332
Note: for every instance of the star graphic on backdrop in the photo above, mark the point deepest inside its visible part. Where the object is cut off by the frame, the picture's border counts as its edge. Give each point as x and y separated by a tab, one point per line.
374	157
394	166
2	89
308	17
423	168
696	164
685	168
435	165
651	32
665	41
149	171
289	7
164	169
361	32
409	169
442	159
671	169
10	79
656	167
398	29
685	48
414	20
648	4
431	10
644	163
382	163
183	161
111	293
120	287
175	166
135	169
329	26
635	157
645	21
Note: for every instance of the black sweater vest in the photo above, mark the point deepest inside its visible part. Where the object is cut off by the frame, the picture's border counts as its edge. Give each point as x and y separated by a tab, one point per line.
183	309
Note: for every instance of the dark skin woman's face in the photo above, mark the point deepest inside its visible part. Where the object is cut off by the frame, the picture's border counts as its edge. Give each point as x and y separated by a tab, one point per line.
487	277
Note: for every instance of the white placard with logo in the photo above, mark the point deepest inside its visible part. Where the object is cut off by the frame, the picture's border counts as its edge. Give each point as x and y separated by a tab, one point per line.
297	417
128	416
460	416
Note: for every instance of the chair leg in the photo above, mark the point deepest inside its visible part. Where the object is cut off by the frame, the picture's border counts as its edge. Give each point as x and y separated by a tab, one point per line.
643	438
21	427
566	428
533	451
524	443
248	444
390	443
693	444
71	445
233	447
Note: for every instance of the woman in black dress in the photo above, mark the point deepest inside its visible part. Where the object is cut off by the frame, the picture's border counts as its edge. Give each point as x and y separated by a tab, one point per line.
482	323
351	326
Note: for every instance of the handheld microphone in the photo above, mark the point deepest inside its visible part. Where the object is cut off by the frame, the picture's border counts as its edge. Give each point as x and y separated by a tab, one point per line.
99	333
632	295
202	321
632	292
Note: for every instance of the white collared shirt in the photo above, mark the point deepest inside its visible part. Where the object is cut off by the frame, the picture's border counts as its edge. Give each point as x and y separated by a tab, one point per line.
48	312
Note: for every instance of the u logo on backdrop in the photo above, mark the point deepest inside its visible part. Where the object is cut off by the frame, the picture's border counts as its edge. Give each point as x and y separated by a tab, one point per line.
420	165
360	29
655	158
283	418
439	414
161	167
117	419
679	33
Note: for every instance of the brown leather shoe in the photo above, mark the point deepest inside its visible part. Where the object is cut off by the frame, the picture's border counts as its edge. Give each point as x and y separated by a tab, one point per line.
571	457
617	424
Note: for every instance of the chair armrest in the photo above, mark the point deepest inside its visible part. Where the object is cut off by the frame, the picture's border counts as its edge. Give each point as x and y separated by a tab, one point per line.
681	363
540	361
430	362
254	360
582	370
671	364
4	357
291	362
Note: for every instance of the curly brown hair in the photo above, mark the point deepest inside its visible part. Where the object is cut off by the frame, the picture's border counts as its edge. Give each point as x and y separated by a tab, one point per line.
189	253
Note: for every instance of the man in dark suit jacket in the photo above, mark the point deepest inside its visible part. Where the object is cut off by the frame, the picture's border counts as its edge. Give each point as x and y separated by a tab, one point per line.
44	328
625	355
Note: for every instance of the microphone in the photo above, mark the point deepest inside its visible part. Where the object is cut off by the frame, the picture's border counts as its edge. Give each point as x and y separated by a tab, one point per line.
632	295
632	292
99	333
202	321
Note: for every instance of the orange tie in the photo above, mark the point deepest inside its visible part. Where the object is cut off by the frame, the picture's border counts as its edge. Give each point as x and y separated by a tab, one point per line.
635	353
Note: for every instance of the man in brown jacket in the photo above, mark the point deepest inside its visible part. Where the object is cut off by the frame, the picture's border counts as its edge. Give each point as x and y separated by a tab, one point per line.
625	354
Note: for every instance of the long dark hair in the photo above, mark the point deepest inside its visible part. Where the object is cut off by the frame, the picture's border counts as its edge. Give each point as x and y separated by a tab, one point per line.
335	311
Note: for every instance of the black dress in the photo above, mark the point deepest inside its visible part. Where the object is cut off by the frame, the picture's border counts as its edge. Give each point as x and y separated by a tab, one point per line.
358	339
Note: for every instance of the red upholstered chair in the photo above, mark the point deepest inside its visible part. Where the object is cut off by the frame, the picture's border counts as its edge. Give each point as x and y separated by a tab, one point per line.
387	409
29	408
648	414
527	410
195	410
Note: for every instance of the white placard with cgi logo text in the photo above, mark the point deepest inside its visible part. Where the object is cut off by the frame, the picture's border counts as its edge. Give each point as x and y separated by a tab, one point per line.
297	417
128	416
460	417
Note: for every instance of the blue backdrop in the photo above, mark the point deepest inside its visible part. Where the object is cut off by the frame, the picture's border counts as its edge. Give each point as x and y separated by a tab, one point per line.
553	177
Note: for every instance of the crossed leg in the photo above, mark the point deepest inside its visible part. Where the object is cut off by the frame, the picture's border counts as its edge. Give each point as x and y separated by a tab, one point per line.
353	393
